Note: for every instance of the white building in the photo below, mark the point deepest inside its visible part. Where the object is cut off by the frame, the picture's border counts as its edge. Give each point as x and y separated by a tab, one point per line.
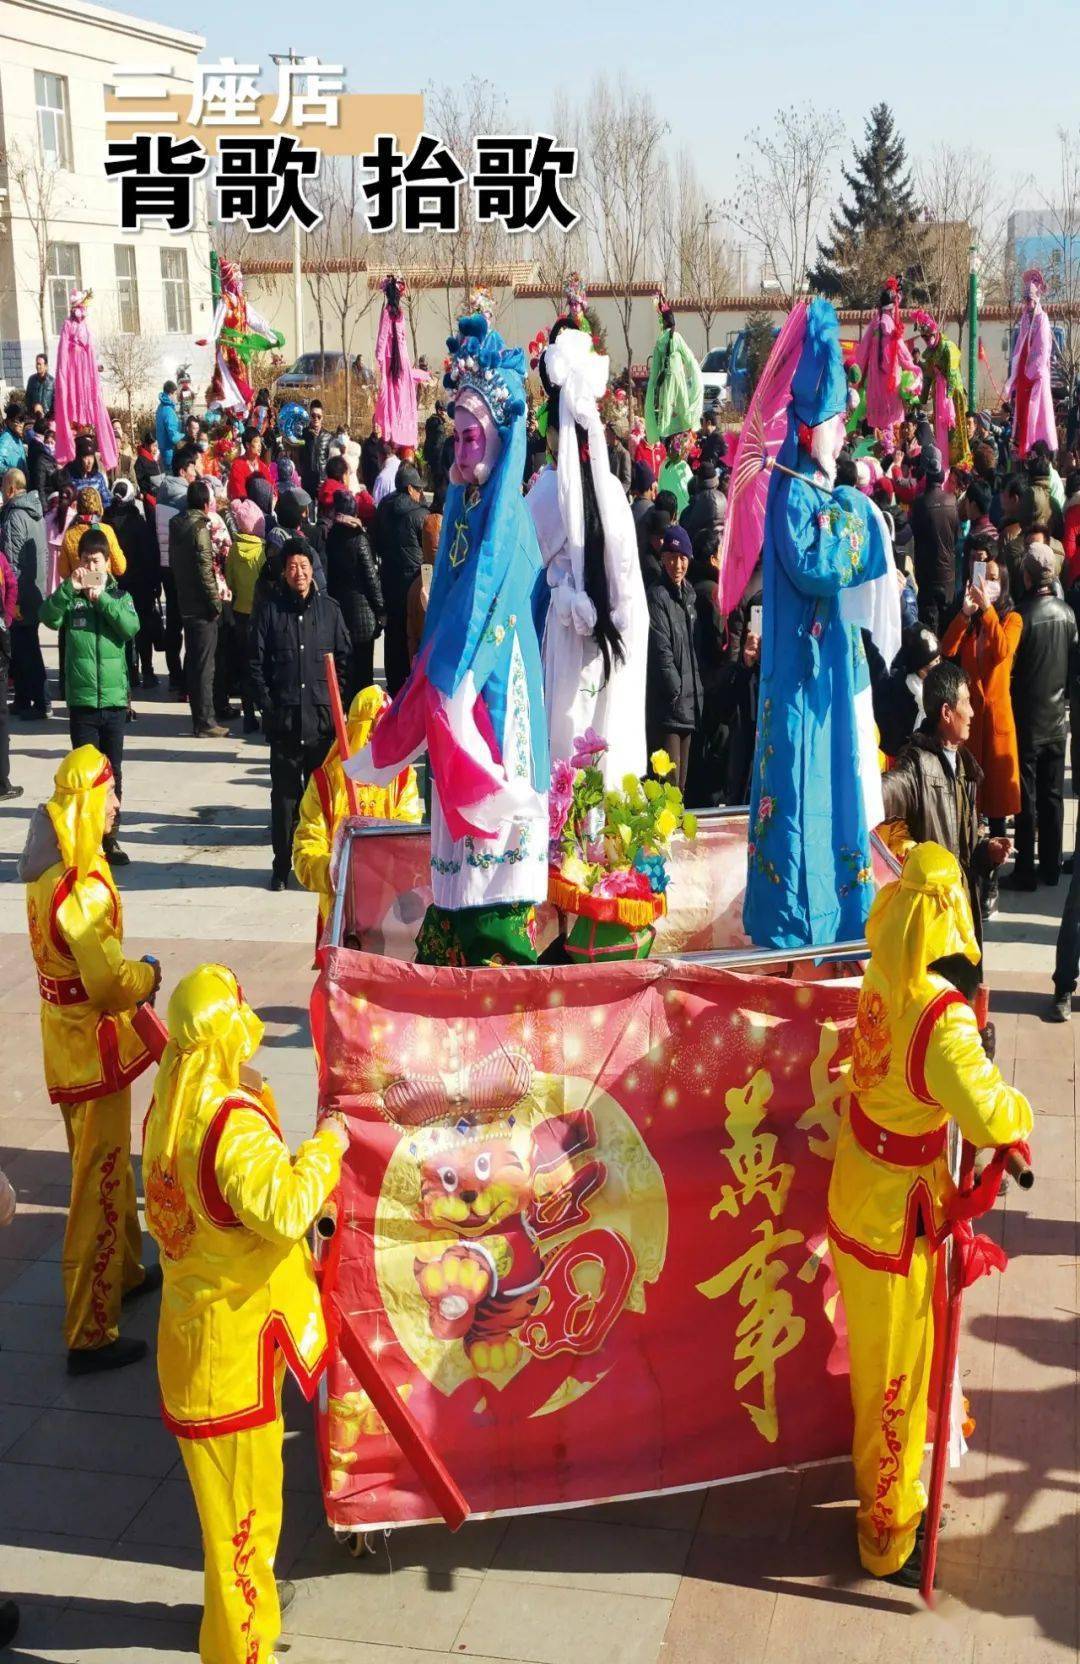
59	214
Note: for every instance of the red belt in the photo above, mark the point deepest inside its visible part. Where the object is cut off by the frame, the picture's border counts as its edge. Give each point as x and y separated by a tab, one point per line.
64	990
898	1148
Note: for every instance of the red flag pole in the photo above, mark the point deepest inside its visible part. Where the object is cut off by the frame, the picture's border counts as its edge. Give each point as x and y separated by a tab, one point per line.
401	1424
337	711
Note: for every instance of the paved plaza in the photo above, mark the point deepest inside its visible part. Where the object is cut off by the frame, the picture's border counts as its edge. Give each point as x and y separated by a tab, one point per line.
98	1536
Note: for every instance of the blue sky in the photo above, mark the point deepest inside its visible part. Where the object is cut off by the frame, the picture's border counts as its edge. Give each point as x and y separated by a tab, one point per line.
949	71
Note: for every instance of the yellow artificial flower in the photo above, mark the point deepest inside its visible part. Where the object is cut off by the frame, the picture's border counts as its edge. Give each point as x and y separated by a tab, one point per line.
689	826
575	871
661	764
666	823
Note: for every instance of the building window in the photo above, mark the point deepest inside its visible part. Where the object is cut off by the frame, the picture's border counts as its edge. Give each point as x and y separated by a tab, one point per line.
127	290
174	284
65	274
54	131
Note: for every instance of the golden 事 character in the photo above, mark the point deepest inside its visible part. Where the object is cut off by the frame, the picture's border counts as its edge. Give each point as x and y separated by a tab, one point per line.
917	1061
771	1327
89	991
231	1209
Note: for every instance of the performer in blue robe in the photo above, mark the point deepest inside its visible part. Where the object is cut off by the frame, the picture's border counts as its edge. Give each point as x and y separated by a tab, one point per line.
815	792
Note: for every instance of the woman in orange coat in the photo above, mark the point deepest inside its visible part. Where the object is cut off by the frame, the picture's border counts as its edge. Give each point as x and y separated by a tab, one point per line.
983	638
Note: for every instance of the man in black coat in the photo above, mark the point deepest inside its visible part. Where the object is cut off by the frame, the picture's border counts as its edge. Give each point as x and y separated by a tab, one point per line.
935	528
292	630
399	519
314	451
673	692
1039	687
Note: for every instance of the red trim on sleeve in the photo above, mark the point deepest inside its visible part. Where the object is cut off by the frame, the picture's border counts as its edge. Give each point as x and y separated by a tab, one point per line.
919	1044
214	1204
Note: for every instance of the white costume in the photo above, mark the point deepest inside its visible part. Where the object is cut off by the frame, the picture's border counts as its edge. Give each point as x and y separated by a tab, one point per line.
575	694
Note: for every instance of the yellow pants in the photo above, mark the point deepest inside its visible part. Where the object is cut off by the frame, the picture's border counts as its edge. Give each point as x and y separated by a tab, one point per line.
890	1325
102	1243
237	1481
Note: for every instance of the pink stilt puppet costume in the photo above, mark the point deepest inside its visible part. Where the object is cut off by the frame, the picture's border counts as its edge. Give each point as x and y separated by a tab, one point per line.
79	401
881	359
1028	385
395	403
474	698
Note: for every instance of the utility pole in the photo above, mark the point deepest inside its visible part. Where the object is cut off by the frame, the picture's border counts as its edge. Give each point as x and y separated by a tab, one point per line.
292	57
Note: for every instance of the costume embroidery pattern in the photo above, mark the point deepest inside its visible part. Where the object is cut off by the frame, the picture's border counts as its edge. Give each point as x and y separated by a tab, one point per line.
766	802
872	1045
245	1551
168	1212
881	1514
100	1282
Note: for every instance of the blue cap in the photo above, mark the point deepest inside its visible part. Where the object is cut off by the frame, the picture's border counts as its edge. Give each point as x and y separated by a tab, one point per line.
819	386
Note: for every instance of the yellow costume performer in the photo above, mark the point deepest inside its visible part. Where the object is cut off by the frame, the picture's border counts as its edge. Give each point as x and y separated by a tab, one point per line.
92	1054
229	1209
324	803
917	1060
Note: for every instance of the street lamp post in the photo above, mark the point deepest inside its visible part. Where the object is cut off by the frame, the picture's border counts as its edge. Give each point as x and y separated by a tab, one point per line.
292	57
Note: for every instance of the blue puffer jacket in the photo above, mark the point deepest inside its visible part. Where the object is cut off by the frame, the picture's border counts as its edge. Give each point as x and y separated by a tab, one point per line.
168	429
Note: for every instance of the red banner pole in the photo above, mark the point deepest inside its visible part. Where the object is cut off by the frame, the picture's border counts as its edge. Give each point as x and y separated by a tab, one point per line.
337	711
401	1424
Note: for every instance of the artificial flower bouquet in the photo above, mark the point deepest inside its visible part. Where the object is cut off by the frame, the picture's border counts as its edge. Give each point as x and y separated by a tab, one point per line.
609	851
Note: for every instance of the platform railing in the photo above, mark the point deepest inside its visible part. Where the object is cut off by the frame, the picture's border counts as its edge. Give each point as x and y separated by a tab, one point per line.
728	959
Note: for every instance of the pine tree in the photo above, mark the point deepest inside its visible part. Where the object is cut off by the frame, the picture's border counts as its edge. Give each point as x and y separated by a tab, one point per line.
866	232
760	335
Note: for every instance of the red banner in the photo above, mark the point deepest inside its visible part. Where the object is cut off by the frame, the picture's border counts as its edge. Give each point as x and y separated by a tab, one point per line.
582	1225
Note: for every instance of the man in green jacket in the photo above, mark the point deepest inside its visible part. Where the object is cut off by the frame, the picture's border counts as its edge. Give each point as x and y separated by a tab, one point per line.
100	619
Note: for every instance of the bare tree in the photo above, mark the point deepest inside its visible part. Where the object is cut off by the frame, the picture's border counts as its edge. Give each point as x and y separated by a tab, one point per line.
471	255
621	149
696	262
130	365
1061	223
349	291
38	189
784	187
963	207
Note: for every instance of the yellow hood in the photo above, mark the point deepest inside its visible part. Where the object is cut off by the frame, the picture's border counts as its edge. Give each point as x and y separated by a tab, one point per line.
212	1031
78	805
366	709
922	916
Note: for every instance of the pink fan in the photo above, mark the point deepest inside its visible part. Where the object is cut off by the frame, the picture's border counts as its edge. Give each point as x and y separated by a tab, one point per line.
763	432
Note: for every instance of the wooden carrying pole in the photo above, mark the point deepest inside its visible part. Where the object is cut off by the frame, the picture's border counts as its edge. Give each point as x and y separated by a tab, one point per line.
337	711
401	1424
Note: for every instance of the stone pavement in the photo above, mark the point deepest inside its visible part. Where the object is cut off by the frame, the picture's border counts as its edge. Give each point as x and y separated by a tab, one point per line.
98	1537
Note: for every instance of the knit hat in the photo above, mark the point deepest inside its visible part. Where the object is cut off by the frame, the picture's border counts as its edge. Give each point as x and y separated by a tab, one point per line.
642	478
407	476
707	471
677	539
88	500
260	492
286	473
123	491
248	517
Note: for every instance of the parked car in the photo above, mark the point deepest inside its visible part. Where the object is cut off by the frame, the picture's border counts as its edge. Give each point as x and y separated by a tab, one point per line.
739	369
714	378
311	370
